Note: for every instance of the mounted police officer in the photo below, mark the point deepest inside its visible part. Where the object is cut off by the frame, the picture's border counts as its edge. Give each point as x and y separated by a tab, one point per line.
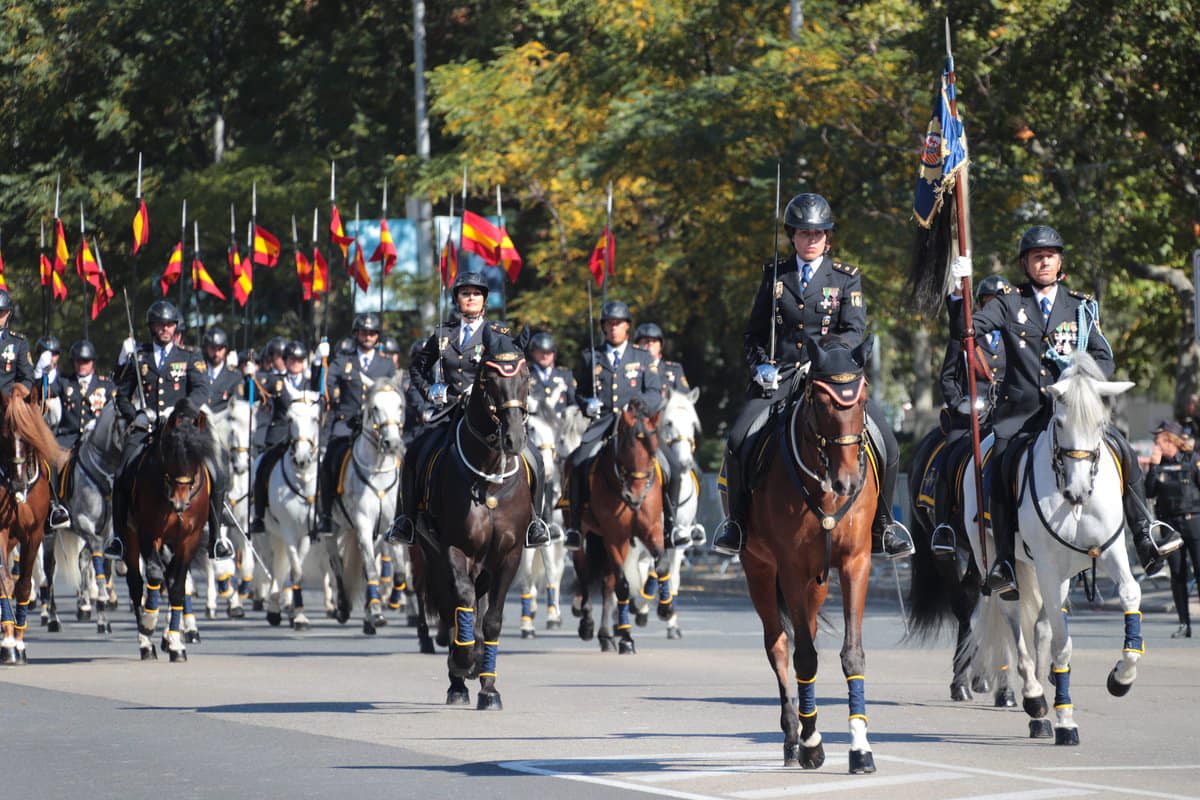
224	381
15	364
346	386
608	380
1039	325
649	337
389	346
553	386
813	295
443	372
1173	480
415	405
279	390
167	373
47	377
82	396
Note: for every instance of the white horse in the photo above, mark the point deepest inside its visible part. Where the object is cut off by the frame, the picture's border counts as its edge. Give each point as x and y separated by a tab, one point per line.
1069	514
543	566
366	500
231	432
290	496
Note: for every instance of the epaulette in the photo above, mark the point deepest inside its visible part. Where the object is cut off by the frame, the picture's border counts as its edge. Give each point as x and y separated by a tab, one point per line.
16	335
783	261
498	328
199	365
1079	295
848	269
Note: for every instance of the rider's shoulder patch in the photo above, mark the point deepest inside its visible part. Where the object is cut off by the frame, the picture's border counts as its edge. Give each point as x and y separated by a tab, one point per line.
782	262
199	365
1078	295
848	269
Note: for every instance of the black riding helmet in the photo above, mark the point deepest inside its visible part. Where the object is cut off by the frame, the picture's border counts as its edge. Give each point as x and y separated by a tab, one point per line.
347	346
83	350
295	349
465	278
48	342
1039	236
274	347
615	309
991	285
216	337
807	212
648	330
390	346
368	321
162	312
543	341
6	302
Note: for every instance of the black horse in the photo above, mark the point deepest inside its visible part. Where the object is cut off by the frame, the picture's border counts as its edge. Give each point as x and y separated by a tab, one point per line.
475	508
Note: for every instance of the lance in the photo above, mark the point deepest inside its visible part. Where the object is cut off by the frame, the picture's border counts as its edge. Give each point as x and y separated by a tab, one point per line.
382	264
233	267
182	250
45	287
357	247
775	261
503	282
57	194
443	288
296	252
325	299
962	207
246	308
133	270
464	219
87	317
345	253
607	255
253	238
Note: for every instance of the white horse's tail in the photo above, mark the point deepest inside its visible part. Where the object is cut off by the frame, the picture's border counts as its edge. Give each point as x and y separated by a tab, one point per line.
992	634
67	548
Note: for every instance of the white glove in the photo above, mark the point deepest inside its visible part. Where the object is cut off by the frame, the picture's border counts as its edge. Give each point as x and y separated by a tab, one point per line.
766	376
128	348
437	394
964	405
43	364
427	415
151	415
316	358
249	368
323	349
960	268
231	360
91	424
593	408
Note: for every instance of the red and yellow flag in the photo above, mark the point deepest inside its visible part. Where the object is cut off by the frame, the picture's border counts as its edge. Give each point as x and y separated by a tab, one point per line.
53	279
386	252
141	227
510	259
266	247
320	282
481	238
243	280
603	255
174	269
304	272
3	282
338	234
47	271
86	266
448	262
104	293
202	281
62	255
358	269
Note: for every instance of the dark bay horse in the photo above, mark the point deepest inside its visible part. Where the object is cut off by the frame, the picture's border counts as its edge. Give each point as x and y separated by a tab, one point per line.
479	489
168	516
813	511
24	504
626	490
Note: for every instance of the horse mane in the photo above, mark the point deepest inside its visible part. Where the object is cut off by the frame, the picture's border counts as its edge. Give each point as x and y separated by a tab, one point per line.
1084	407
392	384
183	444
24	421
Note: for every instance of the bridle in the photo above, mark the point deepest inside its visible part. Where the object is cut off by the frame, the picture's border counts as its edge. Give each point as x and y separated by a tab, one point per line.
373	431
1060	456
493	407
639	431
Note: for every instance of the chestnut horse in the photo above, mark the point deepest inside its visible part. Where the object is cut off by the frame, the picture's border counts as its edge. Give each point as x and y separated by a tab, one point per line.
626	490
168	509
813	511
24	504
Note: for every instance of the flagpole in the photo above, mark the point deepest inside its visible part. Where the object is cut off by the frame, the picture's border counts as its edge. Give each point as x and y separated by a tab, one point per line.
57	220
325	298
503	283
45	299
296	259
233	266
182	250
963	213
357	247
253	254
133	270
383	263
250	299
608	255
83	293
345	252
442	287
103	274
195	297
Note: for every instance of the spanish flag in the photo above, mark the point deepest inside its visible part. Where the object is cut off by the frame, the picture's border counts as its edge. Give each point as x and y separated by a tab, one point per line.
86	266
481	238
320	282
386	252
47	271
338	234
141	227
448	263
243	280
61	254
603	255
266	247
358	269
304	272
104	293
510	259
53	279
174	269
3	283
202	281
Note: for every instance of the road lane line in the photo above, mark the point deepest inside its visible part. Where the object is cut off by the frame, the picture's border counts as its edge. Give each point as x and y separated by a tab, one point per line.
848	783
1032	794
1140	767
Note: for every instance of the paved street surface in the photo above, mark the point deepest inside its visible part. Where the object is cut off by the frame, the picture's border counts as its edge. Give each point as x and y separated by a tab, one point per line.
264	712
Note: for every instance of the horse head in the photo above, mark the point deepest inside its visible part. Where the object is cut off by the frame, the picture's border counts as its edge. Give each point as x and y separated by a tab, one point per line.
637	435
1077	429
501	392
384	420
836	401
681	427
304	425
183	448
237	435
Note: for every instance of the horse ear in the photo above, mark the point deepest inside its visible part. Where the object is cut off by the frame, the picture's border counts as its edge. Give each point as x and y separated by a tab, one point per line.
815	354
862	353
201	421
693	395
1057	390
1113	388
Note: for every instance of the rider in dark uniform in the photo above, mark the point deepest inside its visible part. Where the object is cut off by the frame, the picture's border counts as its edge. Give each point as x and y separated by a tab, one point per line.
443	372
83	395
415	405
649	337
346	388
1039	325
389	346
167	373
813	295
608	380
15	364
50	381
1173	480
549	383
224	381
279	391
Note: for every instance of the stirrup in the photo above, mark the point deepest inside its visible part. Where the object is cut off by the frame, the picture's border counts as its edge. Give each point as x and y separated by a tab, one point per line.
114	548
59	517
730	538
897	541
1003	581
403	531
1171	540
537	534
573	539
324	525
943	542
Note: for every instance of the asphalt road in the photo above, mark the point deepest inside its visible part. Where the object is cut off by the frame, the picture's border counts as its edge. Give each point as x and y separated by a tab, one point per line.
264	712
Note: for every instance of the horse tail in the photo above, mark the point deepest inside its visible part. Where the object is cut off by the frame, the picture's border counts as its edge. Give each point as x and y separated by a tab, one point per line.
25	422
991	638
931	596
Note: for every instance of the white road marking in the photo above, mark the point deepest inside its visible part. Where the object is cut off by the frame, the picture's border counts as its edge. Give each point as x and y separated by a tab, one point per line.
724	771
1139	767
1032	794
847	783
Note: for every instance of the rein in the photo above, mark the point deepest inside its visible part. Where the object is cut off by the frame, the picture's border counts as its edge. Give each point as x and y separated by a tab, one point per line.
491	440
626	478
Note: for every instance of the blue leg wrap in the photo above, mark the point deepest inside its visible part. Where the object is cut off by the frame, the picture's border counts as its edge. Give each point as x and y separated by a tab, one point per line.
650	587
385	569
527	606
16	566
223	587
551	596
1133	632
176	619
1062	687
808	696
297	596
623	615
187	605
664	590
373	592
99	568
22	614
244	589
464	626
856	691
487	667
153	597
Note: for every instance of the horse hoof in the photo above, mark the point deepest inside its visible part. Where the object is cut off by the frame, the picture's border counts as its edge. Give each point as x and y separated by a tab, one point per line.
626	647
300	626
528	633
258	605
458	697
237	613
342	615
812	757
82	615
210	613
1040	729
1115	687
368	628
959	692
149	653
101	628
666	611
178	655
113	605
673	632
488	701
553	624
862	762
412	620
1066	736
274	619
8	655
378	620
22	657
1036	707
641	618
587	629
606	644
979	685
192	637
427	646
1005	699
53	626
331	613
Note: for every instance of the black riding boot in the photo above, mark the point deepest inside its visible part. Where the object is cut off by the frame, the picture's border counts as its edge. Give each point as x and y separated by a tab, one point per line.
327	487
888	536
576	484
730	537
115	547
404	527
1002	578
671	537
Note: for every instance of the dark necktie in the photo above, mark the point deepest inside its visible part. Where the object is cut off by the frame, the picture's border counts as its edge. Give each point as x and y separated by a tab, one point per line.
1045	309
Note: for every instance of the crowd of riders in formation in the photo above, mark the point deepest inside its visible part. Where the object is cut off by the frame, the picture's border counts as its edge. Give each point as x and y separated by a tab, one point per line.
1025	331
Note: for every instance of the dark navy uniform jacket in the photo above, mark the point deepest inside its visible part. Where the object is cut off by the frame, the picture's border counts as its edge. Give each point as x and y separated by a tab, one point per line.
79	405
1016	313
278	389
672	376
181	375
223	386
832	303
635	376
460	363
15	363
1174	483
347	388
954	367
558	386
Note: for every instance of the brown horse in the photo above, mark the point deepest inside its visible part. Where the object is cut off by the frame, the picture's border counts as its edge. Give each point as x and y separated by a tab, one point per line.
472	527
626	490
812	511
24	504
168	509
